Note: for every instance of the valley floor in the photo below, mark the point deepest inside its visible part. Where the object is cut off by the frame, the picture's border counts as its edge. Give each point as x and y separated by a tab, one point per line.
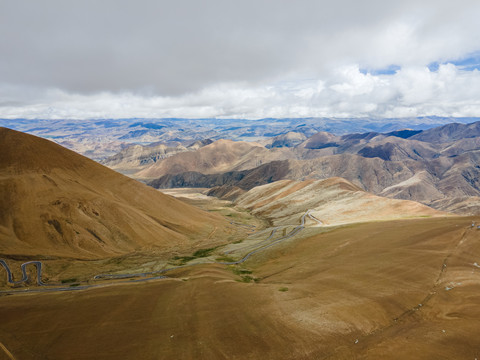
391	290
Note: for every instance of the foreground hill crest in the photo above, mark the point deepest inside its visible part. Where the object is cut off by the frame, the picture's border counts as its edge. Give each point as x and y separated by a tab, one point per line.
55	202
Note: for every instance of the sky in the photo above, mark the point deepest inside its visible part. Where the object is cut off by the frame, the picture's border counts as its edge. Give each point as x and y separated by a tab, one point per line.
251	59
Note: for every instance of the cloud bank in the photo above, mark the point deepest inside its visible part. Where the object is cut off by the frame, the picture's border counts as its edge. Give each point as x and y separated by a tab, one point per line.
248	59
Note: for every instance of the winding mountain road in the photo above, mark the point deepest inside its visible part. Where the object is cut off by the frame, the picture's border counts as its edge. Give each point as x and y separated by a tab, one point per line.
274	230
260	247
314	218
38	265
292	233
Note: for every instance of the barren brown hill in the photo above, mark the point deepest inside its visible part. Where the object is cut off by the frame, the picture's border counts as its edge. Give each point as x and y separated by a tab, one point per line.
137	157
371	174
332	201
449	133
448	140
384	146
459	147
290	139
220	156
395	149
245	179
320	140
423	181
443	178
54	202
468	205
428	182
436	167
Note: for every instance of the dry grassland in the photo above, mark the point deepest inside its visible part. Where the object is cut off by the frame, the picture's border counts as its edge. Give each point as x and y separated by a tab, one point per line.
350	293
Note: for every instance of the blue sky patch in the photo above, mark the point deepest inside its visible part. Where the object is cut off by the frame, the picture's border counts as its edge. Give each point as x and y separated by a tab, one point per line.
389	70
468	63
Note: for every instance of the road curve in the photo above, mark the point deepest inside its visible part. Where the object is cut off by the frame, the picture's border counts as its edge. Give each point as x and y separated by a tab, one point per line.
274	230
315	219
292	233
38	265
144	275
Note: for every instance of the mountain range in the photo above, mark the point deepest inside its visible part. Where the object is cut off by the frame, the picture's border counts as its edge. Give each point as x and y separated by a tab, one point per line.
101	138
300	263
439	167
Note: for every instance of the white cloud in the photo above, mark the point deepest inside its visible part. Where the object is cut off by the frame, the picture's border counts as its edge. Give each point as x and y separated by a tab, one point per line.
411	91
236	59
356	83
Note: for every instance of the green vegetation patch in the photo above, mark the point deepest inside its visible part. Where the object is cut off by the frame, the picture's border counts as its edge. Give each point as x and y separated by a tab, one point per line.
226	259
67	281
116	260
201	253
181	260
204	252
283	289
244	274
247	279
239	271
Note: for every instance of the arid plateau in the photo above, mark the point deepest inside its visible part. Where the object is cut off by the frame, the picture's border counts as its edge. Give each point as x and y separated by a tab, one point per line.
290	252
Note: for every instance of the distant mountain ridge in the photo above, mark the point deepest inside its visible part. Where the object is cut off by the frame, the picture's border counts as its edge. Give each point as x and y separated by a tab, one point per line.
134	158
449	133
219	156
101	138
398	158
434	166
